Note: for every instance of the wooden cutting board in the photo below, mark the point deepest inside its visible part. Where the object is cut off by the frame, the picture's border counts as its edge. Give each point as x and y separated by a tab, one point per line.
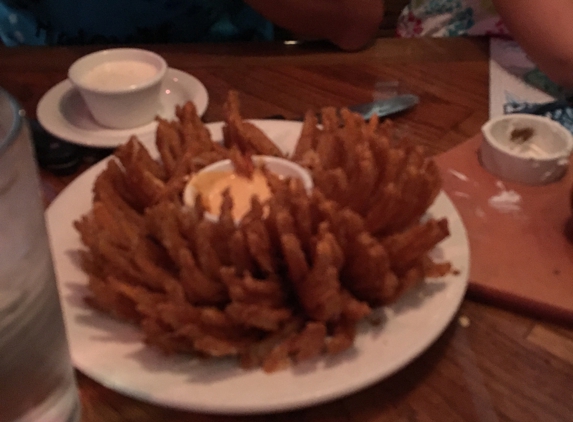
520	254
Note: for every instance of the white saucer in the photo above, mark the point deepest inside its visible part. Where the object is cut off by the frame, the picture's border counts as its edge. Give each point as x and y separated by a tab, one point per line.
62	112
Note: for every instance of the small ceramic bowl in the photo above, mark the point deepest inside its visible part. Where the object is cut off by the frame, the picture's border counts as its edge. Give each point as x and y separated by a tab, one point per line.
206	179
120	86
526	148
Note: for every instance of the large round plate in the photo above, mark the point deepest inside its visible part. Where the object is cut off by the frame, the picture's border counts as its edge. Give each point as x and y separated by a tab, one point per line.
63	113
112	353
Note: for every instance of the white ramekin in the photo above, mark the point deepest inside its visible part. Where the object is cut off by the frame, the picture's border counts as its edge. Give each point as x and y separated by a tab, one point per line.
541	160
279	166
126	107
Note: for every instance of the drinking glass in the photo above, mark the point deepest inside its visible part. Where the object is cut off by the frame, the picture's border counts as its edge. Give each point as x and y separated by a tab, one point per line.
36	377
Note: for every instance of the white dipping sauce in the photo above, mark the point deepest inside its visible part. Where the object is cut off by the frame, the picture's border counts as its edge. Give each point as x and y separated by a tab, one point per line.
119	74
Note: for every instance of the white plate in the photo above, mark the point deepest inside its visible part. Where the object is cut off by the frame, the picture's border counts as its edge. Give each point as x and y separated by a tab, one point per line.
112	353
63	113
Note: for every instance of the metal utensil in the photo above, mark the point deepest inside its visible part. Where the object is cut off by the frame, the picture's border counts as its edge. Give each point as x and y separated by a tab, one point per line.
383	107
386	106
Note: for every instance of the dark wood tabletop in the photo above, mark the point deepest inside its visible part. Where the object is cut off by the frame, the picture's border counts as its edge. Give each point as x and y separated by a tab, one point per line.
490	364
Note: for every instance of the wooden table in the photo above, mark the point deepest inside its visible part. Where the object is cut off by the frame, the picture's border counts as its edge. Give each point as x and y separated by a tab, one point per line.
490	364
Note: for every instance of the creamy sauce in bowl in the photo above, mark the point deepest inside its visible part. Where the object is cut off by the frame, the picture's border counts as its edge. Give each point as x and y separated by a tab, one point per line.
120	74
211	186
212	181
525	148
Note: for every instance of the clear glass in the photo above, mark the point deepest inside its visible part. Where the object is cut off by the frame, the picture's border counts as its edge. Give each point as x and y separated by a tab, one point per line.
36	376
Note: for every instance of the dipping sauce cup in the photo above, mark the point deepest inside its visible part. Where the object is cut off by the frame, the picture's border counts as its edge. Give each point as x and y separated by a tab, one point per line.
36	377
121	87
525	148
212	180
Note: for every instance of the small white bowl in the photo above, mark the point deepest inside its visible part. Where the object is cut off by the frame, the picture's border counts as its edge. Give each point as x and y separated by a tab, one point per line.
120	86
538	156
279	166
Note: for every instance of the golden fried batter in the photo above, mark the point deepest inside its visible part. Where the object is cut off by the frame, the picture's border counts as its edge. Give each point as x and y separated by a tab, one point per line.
288	282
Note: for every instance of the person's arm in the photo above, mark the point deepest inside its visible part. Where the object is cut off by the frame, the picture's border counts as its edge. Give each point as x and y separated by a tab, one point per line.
544	29
350	24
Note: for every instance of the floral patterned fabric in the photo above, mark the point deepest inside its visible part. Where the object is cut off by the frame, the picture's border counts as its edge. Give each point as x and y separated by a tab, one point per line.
449	18
40	22
561	110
